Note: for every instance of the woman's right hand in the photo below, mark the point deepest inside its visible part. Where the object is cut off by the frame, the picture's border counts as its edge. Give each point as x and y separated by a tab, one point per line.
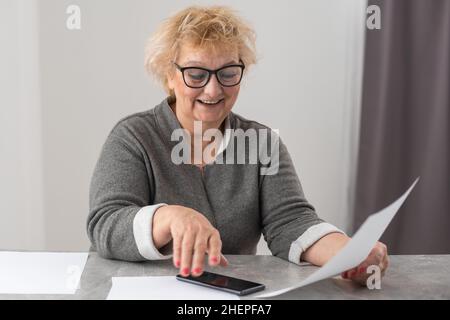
193	236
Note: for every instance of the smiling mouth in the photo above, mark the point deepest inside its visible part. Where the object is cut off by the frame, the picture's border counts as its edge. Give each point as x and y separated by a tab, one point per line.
209	103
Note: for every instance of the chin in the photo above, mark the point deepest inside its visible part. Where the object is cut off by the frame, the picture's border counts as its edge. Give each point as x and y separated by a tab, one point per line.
209	115
208	118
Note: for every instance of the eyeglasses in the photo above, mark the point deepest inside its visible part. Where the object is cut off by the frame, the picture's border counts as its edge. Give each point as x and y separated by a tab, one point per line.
197	77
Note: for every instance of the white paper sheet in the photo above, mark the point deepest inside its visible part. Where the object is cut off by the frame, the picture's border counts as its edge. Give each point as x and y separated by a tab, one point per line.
162	288
40	272
356	250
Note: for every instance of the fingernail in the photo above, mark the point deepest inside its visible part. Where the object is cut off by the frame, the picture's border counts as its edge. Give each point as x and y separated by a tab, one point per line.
361	269
197	270
185	271
214	260
177	263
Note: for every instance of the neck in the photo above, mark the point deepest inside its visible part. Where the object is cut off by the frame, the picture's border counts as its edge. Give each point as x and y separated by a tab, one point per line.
188	124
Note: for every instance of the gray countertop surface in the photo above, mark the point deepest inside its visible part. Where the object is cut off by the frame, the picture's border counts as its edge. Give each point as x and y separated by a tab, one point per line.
408	277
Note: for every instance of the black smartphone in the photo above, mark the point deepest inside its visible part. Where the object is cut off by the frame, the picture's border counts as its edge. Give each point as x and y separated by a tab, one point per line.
229	284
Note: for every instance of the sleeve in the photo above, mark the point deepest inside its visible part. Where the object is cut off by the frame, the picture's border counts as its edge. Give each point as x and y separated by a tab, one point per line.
290	224
119	223
142	230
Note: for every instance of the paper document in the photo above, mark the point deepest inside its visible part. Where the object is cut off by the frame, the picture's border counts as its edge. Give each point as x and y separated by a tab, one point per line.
356	250
40	272
162	288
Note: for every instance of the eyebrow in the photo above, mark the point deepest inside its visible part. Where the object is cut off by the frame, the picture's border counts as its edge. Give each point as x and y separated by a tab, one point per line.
198	63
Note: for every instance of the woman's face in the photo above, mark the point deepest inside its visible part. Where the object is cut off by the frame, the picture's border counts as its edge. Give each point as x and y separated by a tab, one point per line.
200	104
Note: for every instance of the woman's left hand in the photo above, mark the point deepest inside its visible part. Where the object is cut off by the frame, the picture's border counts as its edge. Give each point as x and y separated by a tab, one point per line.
378	257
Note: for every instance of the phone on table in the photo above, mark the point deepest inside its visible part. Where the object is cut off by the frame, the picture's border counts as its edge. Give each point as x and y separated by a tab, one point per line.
229	284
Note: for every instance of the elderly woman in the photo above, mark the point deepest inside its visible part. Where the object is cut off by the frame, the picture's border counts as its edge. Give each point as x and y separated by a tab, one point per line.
146	206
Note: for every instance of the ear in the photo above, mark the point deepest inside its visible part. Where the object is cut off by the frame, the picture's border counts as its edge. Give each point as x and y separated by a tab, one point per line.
171	80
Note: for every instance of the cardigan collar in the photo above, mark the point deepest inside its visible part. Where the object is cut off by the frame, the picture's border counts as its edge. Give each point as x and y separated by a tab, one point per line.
168	122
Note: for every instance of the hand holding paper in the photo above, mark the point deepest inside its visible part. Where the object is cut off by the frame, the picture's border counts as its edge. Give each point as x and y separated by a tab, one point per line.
357	249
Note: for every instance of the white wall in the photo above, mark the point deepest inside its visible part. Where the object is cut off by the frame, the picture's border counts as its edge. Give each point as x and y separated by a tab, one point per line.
315	50
21	182
306	85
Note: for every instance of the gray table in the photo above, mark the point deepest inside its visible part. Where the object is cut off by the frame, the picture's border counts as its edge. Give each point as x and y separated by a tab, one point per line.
408	277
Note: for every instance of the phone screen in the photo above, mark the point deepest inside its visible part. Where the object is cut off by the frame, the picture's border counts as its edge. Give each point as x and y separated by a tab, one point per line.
221	282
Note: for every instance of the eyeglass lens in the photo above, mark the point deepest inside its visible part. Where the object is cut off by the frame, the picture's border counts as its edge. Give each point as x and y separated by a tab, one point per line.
228	76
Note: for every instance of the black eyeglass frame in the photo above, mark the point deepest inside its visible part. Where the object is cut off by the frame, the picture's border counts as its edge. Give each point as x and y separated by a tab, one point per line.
211	72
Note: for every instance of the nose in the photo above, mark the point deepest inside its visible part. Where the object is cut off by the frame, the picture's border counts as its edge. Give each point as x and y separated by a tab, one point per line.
213	88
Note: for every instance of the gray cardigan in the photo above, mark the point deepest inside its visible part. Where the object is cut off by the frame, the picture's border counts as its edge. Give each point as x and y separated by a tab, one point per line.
135	171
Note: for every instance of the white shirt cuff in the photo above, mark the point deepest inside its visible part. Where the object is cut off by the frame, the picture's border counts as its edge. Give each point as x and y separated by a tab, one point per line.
142	230
308	238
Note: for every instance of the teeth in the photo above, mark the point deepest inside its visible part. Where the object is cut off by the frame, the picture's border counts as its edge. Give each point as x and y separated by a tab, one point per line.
209	102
